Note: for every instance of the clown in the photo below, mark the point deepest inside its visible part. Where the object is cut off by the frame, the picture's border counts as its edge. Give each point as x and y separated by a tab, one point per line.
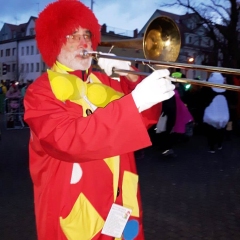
84	128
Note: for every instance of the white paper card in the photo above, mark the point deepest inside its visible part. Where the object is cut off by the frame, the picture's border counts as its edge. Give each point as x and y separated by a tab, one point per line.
116	220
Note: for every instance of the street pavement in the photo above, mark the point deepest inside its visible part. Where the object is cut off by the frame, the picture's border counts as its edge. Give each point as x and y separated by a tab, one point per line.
193	196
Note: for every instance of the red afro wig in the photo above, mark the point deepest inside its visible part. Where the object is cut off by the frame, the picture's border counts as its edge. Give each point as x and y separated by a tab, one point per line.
60	19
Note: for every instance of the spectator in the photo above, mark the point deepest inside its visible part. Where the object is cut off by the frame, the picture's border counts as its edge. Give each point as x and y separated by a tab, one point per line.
166	137
21	84
3	91
183	119
181	86
13	102
23	90
13	91
178	117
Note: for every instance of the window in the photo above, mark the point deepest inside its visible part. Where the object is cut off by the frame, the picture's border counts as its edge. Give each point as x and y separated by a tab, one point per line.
1	53
199	41
189	39
14	34
4	36
14	67
22	67
32	67
27	51
8	68
13	51
27	67
207	41
37	67
7	52
32	50
191	25
31	31
22	51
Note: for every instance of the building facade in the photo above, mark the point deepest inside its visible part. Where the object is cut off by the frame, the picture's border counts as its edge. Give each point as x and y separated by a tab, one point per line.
18	49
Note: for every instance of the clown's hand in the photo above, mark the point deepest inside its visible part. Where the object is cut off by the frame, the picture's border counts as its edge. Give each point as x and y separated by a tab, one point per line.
108	64
152	90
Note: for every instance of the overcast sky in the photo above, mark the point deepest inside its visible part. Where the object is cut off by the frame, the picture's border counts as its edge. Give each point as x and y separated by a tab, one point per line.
122	14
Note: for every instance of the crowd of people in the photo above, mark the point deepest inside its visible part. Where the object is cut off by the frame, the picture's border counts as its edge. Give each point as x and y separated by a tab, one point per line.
210	111
11	102
3	91
12	89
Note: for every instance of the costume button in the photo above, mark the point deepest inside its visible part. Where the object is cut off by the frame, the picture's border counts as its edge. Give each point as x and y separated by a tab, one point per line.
118	191
88	112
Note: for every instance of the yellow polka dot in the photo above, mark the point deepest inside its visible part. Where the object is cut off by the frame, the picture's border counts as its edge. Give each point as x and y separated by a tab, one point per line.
62	88
97	94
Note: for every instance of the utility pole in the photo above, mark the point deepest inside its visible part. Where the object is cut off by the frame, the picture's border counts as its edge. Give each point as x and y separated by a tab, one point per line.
92	2
16	18
37	7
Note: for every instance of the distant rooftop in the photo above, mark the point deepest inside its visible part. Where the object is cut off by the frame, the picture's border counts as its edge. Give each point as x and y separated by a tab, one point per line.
119	31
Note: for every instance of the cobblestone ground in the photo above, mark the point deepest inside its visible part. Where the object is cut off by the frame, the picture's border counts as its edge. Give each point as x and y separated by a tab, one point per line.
16	197
193	196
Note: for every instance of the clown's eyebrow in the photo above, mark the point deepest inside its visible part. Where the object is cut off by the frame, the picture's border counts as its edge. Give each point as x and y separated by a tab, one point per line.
87	31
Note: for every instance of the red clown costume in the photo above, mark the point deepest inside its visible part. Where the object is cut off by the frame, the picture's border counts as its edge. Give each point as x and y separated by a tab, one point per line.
84	129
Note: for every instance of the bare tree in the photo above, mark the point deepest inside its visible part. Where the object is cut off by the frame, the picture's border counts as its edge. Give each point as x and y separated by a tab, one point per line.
221	19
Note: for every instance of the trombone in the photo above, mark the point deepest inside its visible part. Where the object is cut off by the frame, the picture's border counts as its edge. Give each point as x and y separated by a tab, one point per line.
161	45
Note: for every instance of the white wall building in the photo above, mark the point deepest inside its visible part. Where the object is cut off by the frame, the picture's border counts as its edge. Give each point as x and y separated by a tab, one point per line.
30	64
19	52
8	55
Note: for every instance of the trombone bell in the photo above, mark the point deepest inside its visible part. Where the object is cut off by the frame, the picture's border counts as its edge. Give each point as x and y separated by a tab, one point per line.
161	41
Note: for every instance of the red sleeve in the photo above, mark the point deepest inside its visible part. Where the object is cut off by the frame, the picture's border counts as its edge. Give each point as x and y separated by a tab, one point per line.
63	133
151	115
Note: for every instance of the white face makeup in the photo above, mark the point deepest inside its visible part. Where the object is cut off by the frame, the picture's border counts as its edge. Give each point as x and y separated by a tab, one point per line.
70	52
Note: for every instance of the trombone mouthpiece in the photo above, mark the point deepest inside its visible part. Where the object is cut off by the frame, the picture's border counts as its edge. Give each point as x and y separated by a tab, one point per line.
84	53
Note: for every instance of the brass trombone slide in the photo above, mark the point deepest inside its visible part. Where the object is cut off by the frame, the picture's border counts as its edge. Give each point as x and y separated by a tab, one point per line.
172	64
186	80
233	71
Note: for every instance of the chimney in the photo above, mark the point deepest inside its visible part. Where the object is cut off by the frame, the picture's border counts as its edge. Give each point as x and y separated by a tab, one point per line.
104	28
135	33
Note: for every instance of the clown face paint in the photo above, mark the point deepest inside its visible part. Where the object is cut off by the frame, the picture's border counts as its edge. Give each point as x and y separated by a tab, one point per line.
76	42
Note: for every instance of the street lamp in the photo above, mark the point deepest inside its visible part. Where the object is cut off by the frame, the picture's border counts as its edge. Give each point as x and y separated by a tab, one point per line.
190	59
